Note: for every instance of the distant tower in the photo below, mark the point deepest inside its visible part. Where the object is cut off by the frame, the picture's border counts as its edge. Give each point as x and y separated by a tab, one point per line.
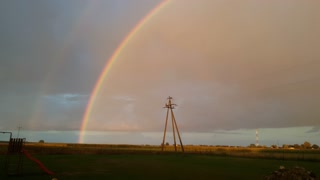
169	107
257	137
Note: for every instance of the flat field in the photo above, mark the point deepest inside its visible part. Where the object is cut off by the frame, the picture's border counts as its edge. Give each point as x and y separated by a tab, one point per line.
147	162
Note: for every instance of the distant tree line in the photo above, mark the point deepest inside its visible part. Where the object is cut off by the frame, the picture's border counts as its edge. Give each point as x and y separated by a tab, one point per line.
305	145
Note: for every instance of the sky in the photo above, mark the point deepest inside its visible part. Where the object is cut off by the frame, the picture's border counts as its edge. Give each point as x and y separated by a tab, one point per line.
231	67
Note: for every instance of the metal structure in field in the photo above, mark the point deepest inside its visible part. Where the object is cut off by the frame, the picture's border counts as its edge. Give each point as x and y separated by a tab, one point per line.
14	157
170	106
14	160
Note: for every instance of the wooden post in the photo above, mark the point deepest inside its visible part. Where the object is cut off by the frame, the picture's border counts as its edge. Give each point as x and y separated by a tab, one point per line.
170	106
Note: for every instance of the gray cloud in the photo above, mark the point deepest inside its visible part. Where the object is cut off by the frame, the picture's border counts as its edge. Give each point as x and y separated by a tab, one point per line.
229	66
52	53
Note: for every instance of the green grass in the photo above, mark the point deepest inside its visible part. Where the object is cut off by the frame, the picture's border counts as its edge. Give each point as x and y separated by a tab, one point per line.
156	166
96	161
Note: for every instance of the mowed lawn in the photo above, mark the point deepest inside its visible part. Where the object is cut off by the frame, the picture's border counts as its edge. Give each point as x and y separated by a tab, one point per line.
156	166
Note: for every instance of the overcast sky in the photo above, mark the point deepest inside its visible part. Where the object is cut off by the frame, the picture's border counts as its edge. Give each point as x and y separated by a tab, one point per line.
231	66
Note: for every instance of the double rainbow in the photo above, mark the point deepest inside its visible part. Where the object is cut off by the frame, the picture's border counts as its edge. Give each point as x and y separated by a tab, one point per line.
111	61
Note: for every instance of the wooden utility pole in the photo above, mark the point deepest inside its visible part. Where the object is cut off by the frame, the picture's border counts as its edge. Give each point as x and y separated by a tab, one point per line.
169	107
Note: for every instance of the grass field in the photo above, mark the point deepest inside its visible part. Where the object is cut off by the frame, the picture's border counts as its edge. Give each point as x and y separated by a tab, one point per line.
136	162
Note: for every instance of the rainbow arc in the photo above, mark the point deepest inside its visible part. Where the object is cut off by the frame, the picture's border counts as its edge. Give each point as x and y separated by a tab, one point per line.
111	62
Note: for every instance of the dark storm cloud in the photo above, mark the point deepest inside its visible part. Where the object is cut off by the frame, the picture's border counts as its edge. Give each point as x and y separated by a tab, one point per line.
62	43
30	44
52	53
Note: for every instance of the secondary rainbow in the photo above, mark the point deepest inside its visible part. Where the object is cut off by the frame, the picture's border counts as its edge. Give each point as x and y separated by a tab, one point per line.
109	64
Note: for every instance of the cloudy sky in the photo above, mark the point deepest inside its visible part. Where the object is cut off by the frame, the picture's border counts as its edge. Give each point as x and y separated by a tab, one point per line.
231	66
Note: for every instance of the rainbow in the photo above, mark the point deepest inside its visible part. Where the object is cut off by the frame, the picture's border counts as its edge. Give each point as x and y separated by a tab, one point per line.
109	64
